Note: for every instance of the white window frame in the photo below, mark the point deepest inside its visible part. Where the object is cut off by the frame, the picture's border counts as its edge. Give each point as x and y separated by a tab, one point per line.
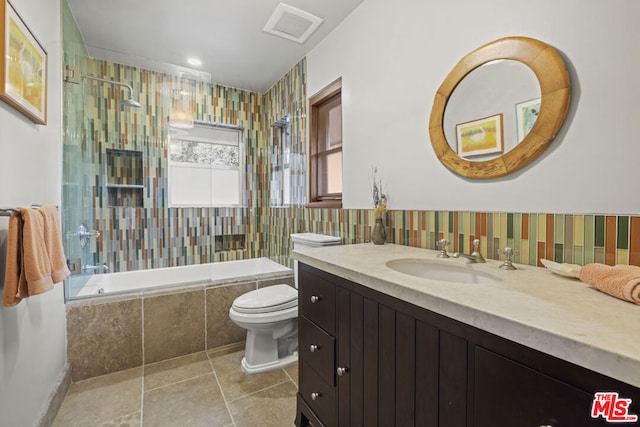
183	135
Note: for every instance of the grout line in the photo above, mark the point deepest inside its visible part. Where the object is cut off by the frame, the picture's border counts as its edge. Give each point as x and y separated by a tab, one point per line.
261	390
290	377
180	382
175	357
224	398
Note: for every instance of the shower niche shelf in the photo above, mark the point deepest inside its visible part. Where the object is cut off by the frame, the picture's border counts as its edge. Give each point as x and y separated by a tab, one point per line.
124	178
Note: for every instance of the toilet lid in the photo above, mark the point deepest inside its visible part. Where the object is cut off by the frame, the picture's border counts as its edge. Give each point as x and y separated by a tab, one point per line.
266	300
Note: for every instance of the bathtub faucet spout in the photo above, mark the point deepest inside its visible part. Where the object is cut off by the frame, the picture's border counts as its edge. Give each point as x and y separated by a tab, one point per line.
87	268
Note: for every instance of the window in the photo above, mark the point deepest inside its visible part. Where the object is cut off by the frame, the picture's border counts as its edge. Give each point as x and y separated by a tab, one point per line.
206	166
325	134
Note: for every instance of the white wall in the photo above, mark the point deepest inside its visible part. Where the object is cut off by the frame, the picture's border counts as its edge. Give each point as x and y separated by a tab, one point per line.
394	54
32	334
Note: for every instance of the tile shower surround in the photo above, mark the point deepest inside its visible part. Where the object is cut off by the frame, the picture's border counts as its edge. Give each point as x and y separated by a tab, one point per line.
114	333
155	235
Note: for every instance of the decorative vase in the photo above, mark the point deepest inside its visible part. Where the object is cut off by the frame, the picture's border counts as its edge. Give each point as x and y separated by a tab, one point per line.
379	233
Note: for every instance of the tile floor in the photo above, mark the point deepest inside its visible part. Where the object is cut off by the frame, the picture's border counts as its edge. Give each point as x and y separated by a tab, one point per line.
201	389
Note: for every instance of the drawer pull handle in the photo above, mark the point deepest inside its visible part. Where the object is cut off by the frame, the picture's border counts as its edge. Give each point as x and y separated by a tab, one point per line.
315	299
342	371
313	348
315	396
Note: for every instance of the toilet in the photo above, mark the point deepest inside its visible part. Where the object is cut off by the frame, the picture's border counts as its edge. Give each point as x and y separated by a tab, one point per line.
270	316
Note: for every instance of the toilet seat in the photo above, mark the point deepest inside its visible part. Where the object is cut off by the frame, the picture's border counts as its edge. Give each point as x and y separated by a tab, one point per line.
266	300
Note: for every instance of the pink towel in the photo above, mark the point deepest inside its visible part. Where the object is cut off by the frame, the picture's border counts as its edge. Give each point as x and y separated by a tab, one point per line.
620	281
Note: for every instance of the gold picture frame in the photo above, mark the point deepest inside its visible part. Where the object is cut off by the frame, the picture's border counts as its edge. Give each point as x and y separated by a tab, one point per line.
23	66
480	137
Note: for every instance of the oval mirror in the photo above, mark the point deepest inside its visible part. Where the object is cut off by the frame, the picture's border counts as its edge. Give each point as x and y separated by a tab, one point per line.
499	108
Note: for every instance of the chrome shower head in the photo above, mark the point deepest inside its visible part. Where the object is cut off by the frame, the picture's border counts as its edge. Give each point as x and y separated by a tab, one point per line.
125	102
130	103
281	123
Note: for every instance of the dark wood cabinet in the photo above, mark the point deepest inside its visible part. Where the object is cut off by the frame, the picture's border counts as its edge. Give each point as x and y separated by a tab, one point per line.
506	390
387	364
368	359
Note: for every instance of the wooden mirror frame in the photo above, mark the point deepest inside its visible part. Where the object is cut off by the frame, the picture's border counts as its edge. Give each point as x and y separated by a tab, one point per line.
555	92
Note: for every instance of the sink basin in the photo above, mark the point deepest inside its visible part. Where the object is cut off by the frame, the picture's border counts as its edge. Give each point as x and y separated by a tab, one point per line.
441	272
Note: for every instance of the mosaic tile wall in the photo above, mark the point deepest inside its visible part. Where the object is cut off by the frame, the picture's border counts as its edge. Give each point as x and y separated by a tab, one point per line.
154	235
578	239
144	232
157	236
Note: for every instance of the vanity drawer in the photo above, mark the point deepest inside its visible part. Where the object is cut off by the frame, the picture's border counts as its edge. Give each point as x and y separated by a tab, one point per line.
320	396
317	299
318	349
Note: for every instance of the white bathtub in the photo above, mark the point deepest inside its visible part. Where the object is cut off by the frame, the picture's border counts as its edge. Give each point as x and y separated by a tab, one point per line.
216	272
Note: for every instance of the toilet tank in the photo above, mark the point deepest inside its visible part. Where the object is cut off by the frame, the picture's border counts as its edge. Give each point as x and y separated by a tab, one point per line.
311	240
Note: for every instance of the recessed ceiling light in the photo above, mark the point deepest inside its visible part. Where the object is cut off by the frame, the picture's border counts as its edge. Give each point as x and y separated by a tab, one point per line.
194	61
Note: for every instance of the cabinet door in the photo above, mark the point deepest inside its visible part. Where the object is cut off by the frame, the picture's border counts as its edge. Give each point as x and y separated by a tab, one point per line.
427	375
358	355
509	394
350	357
452	391
391	365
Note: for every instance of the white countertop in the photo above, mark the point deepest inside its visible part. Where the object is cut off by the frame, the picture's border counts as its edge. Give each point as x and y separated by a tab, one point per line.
559	316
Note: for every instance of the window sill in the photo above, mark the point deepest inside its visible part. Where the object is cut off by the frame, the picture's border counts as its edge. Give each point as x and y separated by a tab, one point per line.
336	204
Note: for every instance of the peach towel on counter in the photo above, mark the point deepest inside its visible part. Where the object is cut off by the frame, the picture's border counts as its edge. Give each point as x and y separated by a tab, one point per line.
34	254
620	281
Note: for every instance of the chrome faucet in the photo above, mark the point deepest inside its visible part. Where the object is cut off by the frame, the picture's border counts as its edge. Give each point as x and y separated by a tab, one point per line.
475	256
87	268
442	246
508	252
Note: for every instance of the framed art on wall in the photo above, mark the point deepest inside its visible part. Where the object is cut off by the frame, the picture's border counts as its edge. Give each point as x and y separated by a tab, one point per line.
526	115
23	66
481	136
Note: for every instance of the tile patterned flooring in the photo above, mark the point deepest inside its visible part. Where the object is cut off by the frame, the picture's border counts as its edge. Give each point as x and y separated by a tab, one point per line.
201	389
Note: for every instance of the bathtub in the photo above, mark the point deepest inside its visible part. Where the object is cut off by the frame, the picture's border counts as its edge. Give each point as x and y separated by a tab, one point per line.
156	278
143	317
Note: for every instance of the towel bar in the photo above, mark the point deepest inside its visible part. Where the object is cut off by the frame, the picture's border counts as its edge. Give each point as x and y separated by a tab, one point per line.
10	211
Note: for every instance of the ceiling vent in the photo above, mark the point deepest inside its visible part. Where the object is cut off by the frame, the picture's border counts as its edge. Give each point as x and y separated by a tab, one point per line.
292	24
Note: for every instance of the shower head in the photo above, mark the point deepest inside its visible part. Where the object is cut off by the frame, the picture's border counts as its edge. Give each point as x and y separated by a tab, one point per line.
130	102
281	123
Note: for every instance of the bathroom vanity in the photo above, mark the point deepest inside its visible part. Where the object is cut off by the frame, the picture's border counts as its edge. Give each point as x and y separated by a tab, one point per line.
380	347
